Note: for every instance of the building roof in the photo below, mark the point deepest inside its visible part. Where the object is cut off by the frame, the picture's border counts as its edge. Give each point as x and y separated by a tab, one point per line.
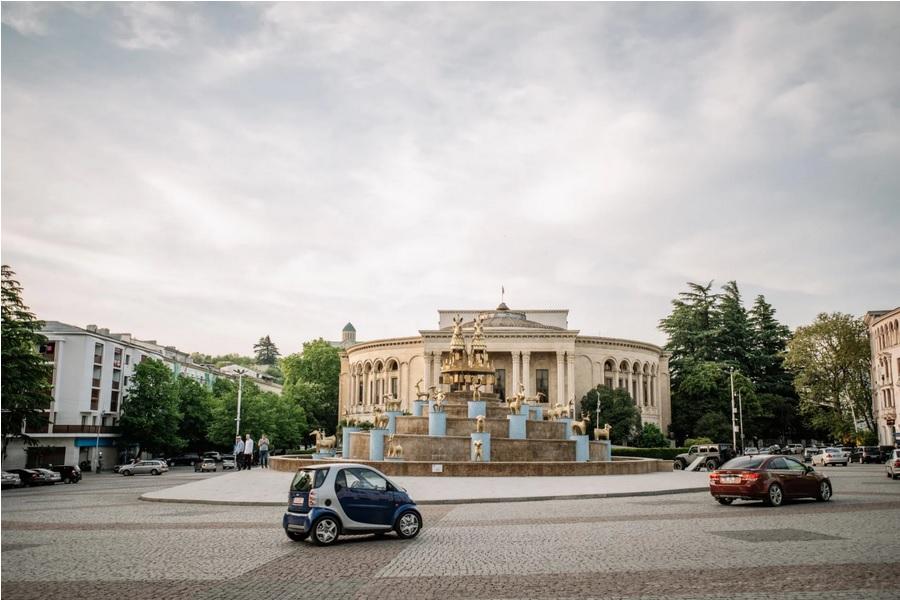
503	317
349	327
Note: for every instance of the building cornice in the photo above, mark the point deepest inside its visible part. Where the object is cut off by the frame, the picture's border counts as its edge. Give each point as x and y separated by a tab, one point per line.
385	343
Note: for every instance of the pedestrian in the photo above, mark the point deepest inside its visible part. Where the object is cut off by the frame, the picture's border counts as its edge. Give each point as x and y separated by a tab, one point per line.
239	452
264	451
248	452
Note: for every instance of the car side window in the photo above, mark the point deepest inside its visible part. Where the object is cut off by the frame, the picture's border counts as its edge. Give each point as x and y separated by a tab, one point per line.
340	482
352	479
692	450
776	464
793	465
371	480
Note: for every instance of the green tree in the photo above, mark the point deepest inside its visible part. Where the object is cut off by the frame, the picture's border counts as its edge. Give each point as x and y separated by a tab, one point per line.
195	406
266	351
691	326
26	378
616	408
150	417
714	425
651	437
311	379
732	338
281	419
830	362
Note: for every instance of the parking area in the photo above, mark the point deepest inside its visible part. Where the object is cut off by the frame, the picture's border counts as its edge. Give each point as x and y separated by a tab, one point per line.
95	539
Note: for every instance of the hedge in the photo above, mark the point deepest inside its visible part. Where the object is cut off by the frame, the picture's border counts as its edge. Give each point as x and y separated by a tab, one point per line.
661	453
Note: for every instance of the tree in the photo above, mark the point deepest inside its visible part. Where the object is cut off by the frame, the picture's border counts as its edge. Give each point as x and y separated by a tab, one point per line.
651	437
312	379
830	362
281	419
195	406
26	378
150	417
616	408
266	351
732	335
691	326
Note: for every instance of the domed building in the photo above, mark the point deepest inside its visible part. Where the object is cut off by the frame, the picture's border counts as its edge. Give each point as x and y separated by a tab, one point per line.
530	348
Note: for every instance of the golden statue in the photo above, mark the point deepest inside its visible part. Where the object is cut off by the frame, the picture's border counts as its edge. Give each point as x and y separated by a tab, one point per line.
515	404
580	427
602	433
478	446
476	389
438	405
323	442
380	418
395	450
556	413
392	404
431	392
479	424
420	395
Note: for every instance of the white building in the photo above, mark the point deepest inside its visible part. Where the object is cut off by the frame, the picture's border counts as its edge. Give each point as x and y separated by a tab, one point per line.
264	381
91	370
884	341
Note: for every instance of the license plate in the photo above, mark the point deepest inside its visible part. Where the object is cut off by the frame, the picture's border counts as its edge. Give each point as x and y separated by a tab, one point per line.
731	479
298	501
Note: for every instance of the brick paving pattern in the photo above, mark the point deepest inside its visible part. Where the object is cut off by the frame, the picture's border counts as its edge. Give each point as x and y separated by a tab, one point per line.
95	540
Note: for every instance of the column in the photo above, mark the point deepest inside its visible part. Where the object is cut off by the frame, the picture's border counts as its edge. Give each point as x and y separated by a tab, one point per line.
427	360
561	378
436	370
526	373
514	387
403	384
570	377
352	394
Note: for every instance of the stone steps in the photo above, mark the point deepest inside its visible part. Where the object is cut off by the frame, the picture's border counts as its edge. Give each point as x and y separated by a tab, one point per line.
497	427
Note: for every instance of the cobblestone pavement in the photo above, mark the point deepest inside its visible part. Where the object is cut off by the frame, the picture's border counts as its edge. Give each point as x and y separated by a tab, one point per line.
95	540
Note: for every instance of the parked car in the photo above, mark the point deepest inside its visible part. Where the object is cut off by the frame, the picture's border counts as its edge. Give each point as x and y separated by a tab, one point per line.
52	476
153	467
11	480
184	460
216	456
794	449
713	455
831	456
118	468
772	479
809	452
327	501
751	451
228	462
207	464
773	449
68	474
893	465
870	454
31	477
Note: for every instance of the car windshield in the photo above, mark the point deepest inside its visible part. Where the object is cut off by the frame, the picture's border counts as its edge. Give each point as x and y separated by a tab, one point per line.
307	479
744	462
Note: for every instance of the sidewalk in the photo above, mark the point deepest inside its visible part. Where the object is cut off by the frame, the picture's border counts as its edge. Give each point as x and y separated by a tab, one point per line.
270	488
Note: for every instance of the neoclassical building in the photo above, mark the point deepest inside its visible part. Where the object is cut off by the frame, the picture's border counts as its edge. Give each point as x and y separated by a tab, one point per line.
532	348
884	341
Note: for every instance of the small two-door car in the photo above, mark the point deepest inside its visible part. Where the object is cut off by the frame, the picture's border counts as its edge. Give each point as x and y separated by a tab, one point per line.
326	501
772	479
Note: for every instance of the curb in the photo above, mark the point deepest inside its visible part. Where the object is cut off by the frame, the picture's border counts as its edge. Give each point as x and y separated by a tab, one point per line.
458	501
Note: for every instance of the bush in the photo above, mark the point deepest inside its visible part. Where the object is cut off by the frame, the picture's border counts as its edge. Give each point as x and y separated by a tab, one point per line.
651	437
661	453
697	441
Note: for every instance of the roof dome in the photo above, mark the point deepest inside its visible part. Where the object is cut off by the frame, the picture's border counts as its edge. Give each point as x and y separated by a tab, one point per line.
349	327
503	306
503	317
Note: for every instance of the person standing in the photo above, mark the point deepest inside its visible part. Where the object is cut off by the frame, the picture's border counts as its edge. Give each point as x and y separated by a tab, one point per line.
248	452
238	452
264	452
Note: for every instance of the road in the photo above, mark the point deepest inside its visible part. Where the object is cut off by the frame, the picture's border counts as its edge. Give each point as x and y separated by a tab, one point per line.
96	540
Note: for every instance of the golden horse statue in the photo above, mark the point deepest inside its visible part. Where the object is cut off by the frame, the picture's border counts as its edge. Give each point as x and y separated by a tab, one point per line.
324	442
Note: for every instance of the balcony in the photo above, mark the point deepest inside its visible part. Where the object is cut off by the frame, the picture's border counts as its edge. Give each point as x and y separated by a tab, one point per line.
94	429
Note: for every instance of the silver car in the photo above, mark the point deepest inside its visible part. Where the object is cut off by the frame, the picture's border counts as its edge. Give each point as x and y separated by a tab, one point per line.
893	465
831	456
152	467
52	476
11	480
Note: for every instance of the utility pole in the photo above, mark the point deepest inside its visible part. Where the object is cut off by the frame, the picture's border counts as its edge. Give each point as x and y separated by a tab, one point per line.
240	390
733	411
741	413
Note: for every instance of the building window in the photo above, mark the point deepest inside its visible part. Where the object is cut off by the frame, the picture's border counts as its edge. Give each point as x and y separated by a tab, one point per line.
394	384
114	401
609	382
117	375
95	399
542	382
127	357
95	378
117	358
98	353
48	351
84	420
500	384
125	382
359	395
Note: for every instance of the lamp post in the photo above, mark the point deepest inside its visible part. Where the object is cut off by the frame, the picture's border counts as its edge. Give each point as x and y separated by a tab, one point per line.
741	414
97	443
733	411
240	373
598	408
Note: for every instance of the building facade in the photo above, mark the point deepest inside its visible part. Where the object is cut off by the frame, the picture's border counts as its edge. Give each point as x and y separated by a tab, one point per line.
91	371
534	349
884	341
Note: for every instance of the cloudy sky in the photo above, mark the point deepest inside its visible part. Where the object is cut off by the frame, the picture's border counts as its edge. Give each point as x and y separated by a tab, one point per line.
206	174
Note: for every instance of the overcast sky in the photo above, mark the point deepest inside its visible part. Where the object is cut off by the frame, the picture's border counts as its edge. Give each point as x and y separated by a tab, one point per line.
206	174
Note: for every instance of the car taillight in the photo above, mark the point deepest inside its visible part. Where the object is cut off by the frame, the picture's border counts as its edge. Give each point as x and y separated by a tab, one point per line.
749	476
827	456
312	498
897	463
714	476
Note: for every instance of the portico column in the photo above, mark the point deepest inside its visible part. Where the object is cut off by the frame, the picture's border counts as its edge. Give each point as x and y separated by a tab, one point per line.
403	383
628	387
353	388
526	372
560	377
436	371
570	376
427	360
515	356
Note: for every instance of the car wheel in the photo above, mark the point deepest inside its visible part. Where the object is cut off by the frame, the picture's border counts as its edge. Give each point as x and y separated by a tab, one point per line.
824	494
126	473
296	536
775	495
725	501
325	531
154	472
678	465
67	480
711	465
408	524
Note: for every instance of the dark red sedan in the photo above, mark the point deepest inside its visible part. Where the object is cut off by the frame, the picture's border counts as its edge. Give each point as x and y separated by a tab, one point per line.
772	479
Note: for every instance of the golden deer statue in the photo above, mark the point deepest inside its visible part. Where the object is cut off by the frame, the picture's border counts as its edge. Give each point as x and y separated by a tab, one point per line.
420	395
380	418
580	427
391	403
323	442
395	450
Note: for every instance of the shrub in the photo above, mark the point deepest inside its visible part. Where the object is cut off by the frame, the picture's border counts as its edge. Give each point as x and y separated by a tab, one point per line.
697	441
661	453
651	437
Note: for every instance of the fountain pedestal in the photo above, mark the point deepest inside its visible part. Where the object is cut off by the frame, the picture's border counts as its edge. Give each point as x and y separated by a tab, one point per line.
582	453
419	408
345	440
437	424
392	420
518	426
477	408
485	439
376	443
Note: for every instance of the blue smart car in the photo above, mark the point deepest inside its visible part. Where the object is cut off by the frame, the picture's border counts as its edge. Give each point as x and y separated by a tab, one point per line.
326	501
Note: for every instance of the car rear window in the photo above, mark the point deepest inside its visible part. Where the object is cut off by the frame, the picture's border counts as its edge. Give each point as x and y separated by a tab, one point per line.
307	479
744	462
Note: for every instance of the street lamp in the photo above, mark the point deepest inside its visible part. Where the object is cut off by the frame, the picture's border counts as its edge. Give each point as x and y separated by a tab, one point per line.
240	374
733	411
97	444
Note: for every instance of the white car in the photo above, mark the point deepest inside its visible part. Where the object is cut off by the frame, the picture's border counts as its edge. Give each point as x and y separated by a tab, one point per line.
831	456
893	465
153	467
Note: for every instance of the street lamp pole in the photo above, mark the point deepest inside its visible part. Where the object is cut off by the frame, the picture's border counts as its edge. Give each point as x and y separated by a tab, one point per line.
598	407
240	373
97	443
741	414
733	411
